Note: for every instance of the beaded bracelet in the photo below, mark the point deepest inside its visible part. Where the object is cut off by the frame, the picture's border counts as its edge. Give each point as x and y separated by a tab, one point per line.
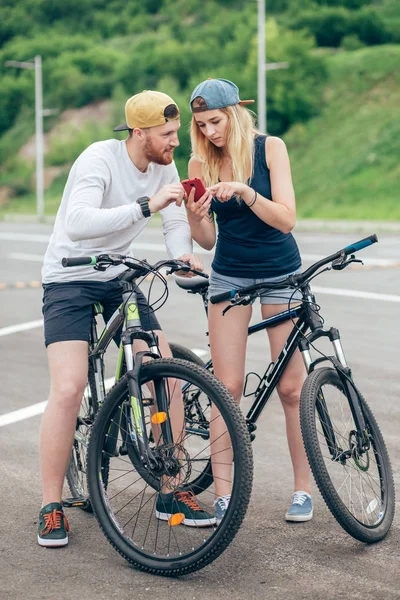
254	199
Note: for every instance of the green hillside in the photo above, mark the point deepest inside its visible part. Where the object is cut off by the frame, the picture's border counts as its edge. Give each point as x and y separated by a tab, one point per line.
336	104
346	161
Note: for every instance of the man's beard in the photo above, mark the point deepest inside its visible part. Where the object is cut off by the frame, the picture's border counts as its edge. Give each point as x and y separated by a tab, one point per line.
160	157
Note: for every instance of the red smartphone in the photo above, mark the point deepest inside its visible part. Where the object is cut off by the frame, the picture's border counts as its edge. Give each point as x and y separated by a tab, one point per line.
197	184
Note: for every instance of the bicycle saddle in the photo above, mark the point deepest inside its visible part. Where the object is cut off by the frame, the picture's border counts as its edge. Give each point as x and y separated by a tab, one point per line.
194	284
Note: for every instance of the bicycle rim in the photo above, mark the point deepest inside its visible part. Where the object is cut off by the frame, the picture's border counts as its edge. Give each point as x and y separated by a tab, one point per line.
76	472
357	486
127	509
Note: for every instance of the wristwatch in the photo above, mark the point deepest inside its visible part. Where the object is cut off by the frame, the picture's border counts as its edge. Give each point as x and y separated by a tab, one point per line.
144	205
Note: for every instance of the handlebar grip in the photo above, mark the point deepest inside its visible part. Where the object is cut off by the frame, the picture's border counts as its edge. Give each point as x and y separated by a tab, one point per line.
79	261
221	297
372	239
200	273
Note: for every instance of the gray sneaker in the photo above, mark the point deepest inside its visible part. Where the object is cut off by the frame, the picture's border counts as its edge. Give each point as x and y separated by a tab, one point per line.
221	504
301	508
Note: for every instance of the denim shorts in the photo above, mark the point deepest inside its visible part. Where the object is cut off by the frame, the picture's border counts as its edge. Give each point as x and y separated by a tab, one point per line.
224	283
68	308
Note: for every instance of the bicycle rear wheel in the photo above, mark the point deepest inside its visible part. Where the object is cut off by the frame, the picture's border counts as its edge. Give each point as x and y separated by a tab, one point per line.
126	510
197	417
76	471
357	486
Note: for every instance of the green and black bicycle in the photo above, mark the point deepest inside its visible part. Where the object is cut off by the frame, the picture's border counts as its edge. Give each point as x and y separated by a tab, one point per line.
124	449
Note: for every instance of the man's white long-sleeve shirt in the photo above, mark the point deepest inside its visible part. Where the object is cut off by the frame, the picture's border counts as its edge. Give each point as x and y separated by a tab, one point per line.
98	212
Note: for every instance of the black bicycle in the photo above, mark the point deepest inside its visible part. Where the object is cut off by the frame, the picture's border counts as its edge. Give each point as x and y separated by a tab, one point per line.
344	445
129	446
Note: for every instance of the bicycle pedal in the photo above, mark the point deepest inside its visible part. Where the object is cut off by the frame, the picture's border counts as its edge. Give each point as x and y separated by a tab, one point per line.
78	502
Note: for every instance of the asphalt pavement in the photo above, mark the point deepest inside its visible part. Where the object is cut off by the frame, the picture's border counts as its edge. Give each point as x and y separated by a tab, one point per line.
269	558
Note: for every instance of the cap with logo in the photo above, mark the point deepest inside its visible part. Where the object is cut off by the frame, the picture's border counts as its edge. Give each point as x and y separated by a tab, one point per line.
148	109
216	93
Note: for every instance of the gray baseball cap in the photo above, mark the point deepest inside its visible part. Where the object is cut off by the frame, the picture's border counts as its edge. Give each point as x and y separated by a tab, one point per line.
217	93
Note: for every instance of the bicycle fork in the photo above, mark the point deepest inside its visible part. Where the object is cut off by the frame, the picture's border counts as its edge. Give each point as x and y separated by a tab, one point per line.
351	393
134	331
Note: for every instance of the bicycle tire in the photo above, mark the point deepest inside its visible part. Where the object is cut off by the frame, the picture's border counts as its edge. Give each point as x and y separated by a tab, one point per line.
377	454
205	479
180	563
179	351
76	471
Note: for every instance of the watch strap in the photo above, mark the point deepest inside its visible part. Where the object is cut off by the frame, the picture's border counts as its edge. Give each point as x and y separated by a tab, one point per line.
143	202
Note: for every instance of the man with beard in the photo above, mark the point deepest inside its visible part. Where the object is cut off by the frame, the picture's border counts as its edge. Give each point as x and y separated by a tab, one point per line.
113	189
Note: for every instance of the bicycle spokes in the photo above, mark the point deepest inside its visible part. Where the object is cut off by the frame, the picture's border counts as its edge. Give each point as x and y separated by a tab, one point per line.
355	473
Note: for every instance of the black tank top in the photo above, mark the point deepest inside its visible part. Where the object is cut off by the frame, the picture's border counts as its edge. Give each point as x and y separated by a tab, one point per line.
246	245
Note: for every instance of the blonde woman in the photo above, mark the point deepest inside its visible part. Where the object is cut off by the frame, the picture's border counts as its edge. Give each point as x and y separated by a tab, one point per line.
250	192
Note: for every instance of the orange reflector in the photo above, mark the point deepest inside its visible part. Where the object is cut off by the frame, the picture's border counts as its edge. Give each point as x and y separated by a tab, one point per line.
159	417
176	519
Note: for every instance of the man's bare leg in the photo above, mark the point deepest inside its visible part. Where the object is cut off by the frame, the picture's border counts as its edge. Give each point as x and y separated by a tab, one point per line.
68	364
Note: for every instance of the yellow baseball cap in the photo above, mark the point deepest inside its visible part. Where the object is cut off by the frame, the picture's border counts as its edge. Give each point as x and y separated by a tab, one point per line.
148	109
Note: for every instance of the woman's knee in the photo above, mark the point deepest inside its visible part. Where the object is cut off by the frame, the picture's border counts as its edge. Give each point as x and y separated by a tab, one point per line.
235	386
289	392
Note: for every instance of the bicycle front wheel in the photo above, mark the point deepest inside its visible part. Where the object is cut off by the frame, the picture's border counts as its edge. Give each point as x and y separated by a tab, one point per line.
356	485
127	508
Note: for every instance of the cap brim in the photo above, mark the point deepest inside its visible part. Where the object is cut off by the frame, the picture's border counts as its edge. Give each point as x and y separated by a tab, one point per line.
123	127
244	102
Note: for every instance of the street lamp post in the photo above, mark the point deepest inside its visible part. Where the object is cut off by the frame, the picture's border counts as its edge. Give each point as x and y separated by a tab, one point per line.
36	65
263	67
261	79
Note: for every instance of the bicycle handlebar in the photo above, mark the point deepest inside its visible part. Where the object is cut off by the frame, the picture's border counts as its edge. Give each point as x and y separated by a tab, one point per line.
79	261
139	266
301	278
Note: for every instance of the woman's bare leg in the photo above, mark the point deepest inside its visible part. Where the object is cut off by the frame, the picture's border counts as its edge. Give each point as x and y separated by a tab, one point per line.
228	341
289	389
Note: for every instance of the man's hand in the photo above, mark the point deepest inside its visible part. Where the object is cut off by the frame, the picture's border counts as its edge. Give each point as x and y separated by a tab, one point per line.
172	192
195	263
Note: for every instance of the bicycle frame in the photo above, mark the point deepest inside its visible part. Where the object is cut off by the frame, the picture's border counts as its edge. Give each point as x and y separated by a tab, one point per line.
308	328
127	316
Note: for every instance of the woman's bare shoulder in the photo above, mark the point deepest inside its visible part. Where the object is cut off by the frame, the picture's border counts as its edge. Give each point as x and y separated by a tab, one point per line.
195	166
274	142
274	147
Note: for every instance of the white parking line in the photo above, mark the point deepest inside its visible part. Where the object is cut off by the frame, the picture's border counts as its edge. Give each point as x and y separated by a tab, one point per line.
24	257
22	413
21	327
356	294
24	237
150	247
35	409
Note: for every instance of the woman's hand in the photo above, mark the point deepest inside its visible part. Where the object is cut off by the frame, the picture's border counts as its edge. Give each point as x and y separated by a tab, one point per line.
198	210
224	190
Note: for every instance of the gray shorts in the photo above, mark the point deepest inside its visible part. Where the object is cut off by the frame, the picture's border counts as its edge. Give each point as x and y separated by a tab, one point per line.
223	283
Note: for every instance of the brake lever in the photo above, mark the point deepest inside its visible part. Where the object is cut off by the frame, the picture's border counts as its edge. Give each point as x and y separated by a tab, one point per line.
341	263
187	269
240	302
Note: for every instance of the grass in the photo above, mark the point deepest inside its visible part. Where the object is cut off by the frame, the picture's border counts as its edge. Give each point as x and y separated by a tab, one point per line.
345	162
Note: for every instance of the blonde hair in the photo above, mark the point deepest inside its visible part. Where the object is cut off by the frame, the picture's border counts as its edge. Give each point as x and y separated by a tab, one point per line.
239	145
